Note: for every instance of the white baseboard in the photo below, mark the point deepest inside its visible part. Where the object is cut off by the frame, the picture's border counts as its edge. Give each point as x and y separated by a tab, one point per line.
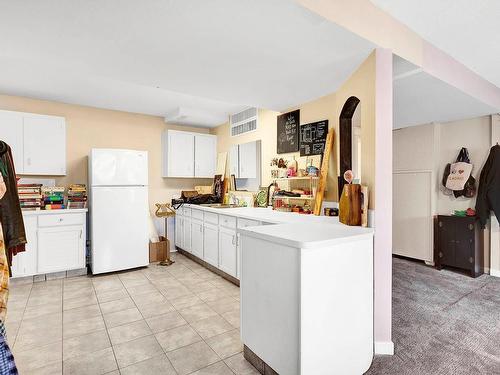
384	348
495	273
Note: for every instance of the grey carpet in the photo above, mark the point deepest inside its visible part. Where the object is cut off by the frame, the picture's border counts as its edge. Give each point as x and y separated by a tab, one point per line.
444	323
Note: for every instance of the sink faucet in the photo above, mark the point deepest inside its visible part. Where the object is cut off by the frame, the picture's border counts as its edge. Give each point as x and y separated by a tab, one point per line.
269	192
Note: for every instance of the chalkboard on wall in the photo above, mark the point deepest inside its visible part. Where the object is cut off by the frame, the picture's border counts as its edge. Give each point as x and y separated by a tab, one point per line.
288	132
313	138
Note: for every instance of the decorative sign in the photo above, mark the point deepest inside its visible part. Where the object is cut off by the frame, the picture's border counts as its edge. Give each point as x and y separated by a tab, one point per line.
288	132
313	138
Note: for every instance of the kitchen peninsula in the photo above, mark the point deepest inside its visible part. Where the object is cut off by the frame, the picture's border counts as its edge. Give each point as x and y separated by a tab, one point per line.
303	309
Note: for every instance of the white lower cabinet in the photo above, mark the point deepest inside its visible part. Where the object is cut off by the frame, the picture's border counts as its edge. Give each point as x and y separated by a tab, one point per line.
212	237
197	238
211	244
179	230
55	243
24	263
60	248
186	242
227	251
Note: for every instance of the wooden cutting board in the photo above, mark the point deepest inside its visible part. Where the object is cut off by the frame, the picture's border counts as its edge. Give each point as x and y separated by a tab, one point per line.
350	205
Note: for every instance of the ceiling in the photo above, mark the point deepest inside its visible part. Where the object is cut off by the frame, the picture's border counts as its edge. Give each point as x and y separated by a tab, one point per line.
467	30
163	56
420	98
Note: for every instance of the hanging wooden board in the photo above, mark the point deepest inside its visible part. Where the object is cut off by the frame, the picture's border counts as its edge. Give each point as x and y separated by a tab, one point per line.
320	192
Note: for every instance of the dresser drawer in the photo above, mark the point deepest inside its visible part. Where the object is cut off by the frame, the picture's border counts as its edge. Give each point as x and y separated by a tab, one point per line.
243	223
60	220
197	214
211	218
227	221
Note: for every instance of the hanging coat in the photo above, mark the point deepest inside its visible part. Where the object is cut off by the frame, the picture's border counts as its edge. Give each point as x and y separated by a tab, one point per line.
11	217
488	195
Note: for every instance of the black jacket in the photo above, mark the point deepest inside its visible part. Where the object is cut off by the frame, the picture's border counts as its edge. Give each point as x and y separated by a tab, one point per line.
488	195
11	216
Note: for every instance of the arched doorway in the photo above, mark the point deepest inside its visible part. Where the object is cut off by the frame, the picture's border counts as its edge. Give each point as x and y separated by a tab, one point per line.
345	130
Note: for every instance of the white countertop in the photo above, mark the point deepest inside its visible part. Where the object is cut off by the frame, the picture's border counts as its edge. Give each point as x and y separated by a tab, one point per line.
292	229
308	235
54	212
267	215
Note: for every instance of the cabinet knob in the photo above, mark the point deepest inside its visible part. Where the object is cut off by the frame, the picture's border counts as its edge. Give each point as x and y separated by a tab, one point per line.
471	226
440	224
471	260
440	254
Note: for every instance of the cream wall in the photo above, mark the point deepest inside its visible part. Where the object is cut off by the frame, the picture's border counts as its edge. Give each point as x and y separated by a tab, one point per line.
88	127
362	85
431	146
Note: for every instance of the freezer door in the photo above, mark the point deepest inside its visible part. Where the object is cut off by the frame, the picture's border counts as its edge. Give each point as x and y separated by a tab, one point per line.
113	167
119	228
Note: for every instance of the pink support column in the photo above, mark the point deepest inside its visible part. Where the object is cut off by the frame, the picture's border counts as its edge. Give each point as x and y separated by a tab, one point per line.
383	203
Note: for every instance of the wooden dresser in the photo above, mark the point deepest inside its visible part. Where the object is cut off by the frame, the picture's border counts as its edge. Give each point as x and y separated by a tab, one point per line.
457	243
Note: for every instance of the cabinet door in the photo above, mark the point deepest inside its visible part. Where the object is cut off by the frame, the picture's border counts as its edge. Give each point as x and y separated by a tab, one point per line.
248	160
446	240
179	231
227	251
211	244
24	263
197	238
464	243
234	161
60	248
186	241
44	145
205	155
238	257
11	132
180	154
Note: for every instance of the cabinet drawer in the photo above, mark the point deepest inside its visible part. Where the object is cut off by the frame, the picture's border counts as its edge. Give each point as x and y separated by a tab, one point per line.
186	211
197	214
227	221
243	223
60	220
211	218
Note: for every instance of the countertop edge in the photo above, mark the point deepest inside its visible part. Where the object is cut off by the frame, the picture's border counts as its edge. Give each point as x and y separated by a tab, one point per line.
54	212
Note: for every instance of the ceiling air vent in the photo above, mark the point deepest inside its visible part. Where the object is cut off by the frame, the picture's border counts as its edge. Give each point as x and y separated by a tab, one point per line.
244	122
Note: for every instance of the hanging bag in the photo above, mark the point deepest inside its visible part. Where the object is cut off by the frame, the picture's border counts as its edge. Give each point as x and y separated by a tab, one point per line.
460	171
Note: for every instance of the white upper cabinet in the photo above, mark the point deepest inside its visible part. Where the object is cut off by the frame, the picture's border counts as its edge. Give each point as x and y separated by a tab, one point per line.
178	154
187	154
11	132
249	159
205	155
38	142
234	161
44	145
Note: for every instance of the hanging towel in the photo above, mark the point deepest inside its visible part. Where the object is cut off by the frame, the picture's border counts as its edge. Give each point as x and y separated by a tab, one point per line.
7	363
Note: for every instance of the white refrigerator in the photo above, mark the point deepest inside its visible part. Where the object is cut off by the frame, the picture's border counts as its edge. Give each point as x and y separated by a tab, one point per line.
118	181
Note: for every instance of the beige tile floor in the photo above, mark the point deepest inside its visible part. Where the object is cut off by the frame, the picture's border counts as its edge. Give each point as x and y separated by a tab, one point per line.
181	319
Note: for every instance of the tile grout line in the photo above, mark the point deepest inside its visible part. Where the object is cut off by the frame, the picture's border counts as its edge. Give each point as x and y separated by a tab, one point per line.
106	329
189	324
221	359
140	312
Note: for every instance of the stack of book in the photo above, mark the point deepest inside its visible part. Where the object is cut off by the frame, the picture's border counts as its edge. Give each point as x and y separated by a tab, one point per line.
53	197
30	196
77	196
